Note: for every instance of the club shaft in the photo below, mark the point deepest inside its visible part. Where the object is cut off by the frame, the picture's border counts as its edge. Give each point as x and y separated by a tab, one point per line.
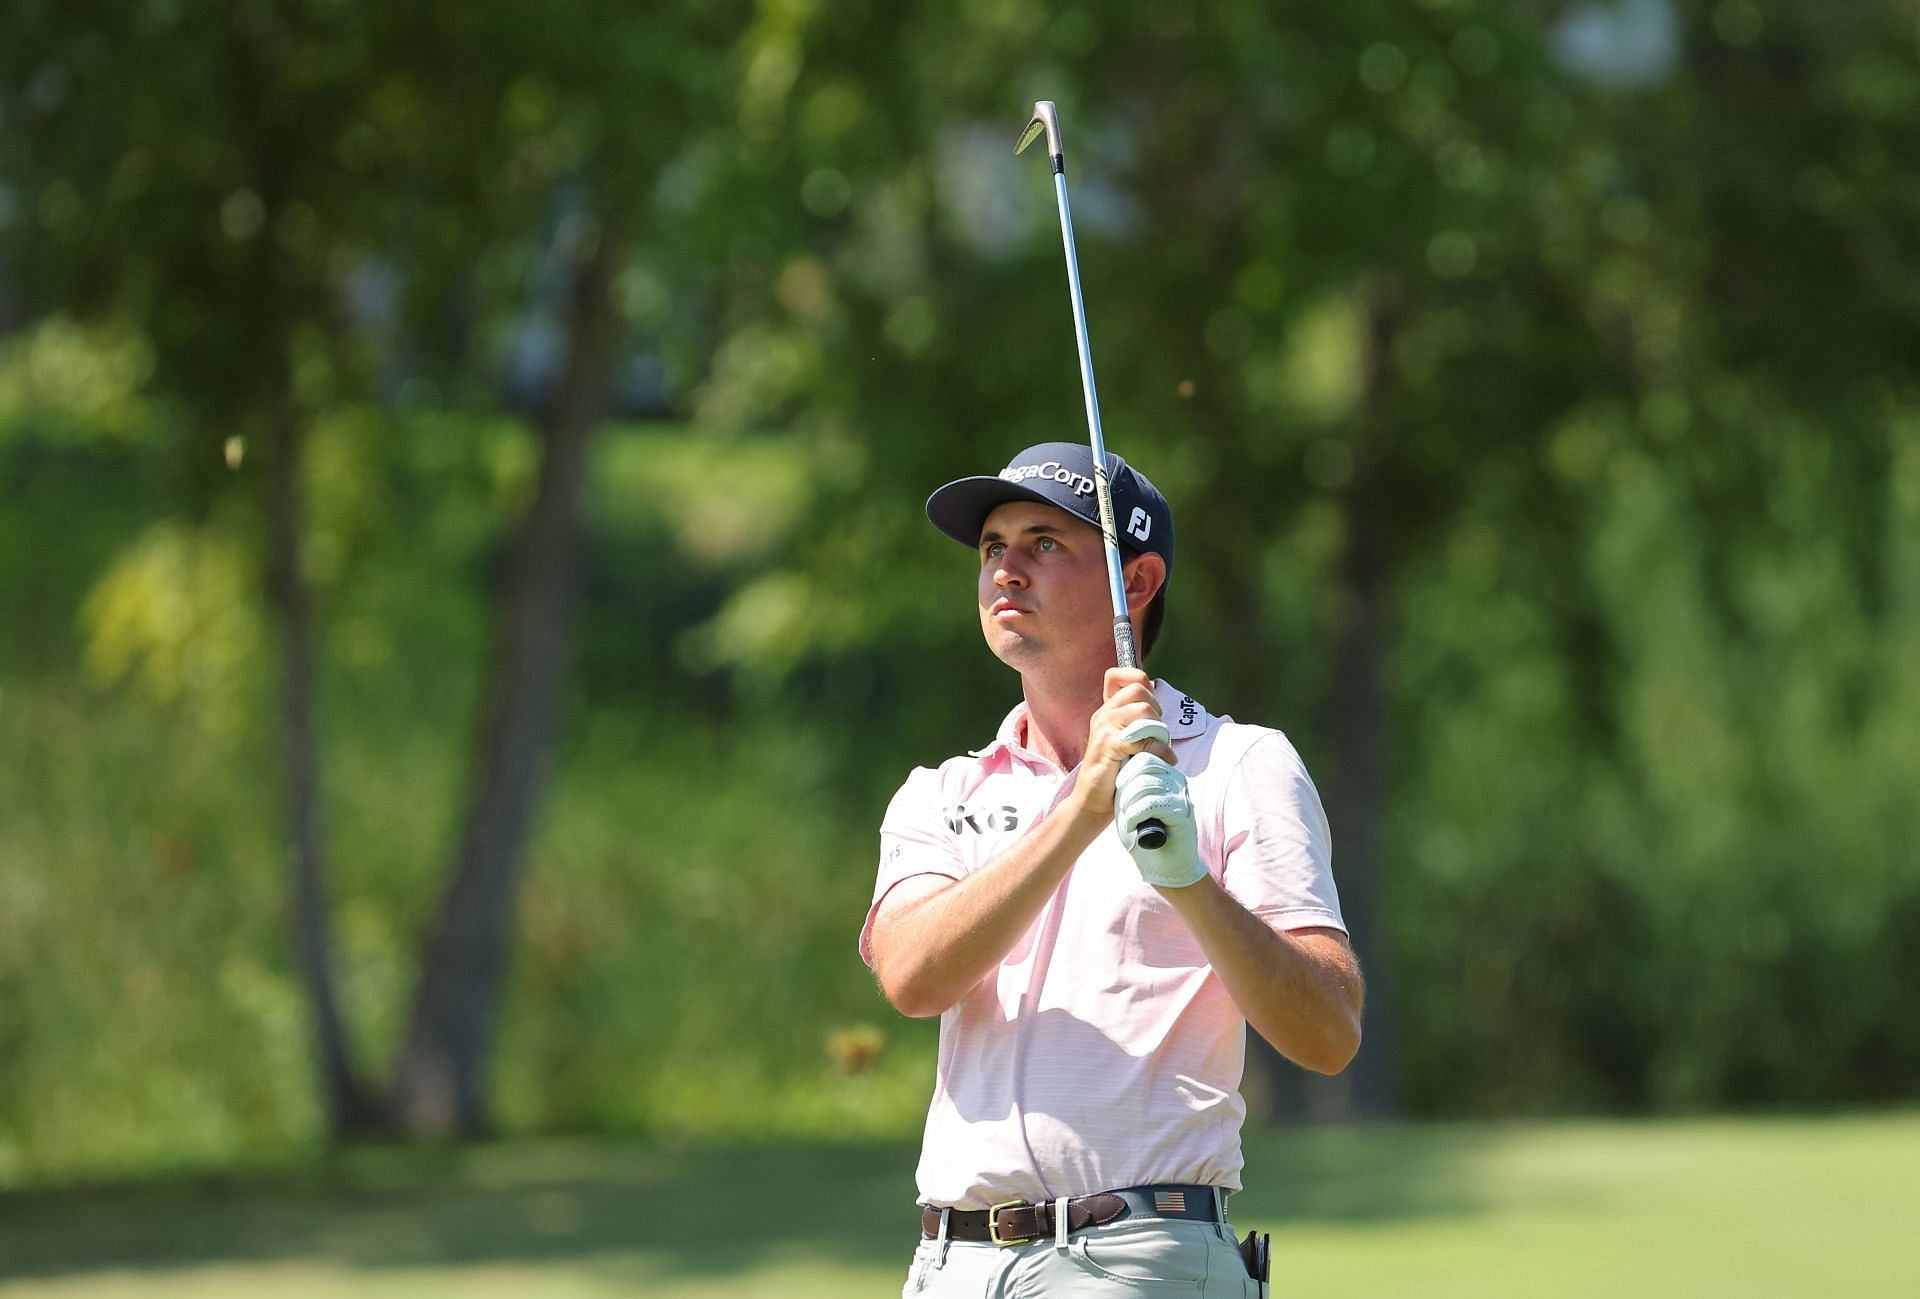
1123	644
1152	834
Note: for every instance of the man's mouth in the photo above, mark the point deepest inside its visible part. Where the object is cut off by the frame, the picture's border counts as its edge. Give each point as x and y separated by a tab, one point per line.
1004	606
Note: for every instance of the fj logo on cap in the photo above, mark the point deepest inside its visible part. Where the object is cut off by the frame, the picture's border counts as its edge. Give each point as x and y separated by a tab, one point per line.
1139	526
1052	471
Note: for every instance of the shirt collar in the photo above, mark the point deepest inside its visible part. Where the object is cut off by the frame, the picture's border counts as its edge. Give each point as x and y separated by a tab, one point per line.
1184	715
1007	738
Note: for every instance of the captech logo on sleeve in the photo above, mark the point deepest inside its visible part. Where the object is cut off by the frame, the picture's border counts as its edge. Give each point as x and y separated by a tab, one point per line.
1052	471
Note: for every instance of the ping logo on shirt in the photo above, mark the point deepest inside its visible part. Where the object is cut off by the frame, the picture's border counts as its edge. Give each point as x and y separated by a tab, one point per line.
960	819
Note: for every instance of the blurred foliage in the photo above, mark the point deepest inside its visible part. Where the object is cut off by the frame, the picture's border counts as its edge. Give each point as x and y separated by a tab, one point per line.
172	615
1606	364
71	384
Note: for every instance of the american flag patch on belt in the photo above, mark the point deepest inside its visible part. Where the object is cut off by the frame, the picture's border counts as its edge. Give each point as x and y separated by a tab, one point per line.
1169	1201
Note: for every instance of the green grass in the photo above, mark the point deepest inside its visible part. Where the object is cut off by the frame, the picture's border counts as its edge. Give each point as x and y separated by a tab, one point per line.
1747	1207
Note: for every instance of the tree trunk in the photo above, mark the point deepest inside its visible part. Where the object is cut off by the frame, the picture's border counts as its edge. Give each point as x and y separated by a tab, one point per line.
1356	808
439	1085
1355	795
344	1101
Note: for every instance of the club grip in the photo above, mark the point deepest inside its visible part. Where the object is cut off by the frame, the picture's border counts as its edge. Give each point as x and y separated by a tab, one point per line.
1152	834
1123	649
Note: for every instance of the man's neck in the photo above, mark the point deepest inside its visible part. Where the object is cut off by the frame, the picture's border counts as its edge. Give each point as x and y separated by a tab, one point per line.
1058	714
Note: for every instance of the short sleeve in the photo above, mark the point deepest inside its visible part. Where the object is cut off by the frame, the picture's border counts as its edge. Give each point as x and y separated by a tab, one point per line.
1278	855
914	840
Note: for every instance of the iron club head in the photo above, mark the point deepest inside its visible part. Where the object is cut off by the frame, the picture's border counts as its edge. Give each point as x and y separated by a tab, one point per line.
1046	119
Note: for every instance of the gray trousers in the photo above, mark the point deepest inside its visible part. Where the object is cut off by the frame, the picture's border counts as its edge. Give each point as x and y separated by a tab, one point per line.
1136	1256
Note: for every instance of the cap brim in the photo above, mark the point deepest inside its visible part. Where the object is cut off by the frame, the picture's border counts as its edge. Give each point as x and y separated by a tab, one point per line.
960	509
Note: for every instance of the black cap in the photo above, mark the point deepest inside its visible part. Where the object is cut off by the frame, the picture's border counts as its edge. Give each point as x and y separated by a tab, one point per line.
1060	473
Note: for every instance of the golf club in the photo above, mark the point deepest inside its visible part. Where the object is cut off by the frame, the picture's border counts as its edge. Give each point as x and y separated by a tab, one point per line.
1046	120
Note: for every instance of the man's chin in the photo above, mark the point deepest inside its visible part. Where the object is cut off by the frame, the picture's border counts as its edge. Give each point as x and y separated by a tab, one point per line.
1013	648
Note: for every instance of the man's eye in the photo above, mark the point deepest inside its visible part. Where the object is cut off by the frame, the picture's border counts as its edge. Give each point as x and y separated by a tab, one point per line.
993	550
1048	543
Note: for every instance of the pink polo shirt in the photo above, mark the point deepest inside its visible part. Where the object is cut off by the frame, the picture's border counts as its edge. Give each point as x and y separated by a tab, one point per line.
1104	1051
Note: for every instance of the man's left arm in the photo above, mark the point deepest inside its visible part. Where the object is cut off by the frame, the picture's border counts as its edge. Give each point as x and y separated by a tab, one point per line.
1300	988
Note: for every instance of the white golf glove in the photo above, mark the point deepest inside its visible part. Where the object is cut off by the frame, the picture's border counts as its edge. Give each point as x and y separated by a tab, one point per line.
1150	788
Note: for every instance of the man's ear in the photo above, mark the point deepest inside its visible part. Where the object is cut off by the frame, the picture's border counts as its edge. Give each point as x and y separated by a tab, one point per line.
1145	574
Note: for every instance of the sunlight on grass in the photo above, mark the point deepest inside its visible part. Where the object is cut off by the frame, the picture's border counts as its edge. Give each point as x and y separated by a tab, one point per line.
1750	1207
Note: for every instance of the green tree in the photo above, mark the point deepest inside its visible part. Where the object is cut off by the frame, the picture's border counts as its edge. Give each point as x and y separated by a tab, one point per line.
1358	283
210	178
1314	294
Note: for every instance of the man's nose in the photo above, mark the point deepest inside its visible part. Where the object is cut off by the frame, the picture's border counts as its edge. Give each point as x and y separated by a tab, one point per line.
1008	573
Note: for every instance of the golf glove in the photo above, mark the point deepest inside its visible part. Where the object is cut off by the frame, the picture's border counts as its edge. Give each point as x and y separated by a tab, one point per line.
1150	788
1147	728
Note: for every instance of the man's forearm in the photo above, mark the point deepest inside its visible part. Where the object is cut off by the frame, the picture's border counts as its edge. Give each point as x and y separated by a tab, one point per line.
1301	991
931	951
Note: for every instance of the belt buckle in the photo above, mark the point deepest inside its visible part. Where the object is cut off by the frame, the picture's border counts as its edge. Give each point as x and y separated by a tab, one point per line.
993	1223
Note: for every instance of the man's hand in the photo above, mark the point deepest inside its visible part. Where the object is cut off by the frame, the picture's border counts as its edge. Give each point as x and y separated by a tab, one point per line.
1126	724
1151	790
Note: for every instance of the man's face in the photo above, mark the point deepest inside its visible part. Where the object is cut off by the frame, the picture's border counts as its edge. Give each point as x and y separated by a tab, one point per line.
1043	586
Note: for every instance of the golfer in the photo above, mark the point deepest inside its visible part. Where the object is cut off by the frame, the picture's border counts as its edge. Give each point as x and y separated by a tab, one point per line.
1084	1133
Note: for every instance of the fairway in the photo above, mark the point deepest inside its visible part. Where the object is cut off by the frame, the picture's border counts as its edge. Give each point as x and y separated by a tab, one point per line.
1753	1207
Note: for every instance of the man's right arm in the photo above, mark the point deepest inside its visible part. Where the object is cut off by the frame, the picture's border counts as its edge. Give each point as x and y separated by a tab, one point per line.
935	938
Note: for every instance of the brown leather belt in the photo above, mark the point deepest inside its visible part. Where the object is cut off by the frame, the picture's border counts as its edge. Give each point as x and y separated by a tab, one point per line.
1017	1222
